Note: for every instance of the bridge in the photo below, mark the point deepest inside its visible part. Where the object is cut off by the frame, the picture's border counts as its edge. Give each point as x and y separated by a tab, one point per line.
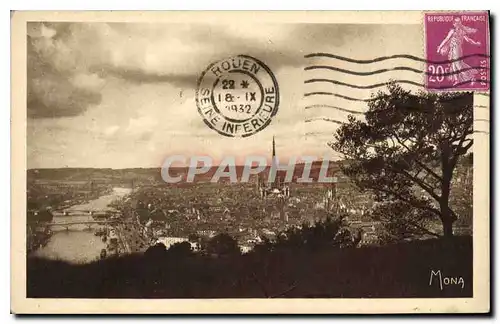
88	224
96	215
84	212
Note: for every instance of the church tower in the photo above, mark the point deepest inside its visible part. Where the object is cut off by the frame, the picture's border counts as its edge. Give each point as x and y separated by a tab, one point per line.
274	168
271	187
274	159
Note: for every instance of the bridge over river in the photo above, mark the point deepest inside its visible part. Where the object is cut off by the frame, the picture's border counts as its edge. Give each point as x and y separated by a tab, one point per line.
86	223
79	244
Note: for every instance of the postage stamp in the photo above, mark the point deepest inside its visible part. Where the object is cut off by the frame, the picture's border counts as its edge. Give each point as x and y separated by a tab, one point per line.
238	96
242	162
457	51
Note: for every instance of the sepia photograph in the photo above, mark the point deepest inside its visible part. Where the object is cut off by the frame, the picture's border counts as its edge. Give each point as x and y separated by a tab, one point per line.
222	156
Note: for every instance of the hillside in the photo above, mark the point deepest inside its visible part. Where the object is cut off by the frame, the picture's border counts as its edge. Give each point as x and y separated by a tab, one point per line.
392	271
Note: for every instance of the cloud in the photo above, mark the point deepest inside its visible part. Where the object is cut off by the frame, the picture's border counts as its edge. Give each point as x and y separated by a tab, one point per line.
137	75
130	88
141	128
111	130
69	63
54	96
57	80
178	53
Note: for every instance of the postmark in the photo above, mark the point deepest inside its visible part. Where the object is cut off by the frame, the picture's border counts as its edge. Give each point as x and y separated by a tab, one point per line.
237	96
457	51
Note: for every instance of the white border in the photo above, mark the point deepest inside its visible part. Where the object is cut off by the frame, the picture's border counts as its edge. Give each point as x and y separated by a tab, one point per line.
185	5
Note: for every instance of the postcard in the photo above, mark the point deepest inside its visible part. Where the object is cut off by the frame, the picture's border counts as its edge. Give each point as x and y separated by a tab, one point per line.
250	162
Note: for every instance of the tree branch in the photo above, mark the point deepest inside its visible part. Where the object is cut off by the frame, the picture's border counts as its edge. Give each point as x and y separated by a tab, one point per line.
421	164
418	181
461	148
400	197
423	229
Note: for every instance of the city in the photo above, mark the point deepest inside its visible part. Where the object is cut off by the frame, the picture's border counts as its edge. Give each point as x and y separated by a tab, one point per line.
140	215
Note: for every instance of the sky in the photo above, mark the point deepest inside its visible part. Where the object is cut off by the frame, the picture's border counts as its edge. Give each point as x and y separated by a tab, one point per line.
122	95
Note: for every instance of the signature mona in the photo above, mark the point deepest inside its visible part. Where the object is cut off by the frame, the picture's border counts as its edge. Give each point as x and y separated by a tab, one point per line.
437	278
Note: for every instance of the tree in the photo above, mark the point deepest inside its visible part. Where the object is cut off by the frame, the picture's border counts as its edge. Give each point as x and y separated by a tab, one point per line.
408	147
180	249
156	252
43	215
461	194
401	221
324	234
222	245
194	238
157	215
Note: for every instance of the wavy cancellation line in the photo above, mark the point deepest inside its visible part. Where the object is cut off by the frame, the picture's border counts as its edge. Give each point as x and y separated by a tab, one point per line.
337	108
309	120
364	112
320	133
397	68
324	93
397	56
338	95
378	85
335	121
333	133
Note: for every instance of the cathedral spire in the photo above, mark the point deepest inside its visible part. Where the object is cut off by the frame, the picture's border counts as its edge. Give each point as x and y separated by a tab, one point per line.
274	149
274	166
274	158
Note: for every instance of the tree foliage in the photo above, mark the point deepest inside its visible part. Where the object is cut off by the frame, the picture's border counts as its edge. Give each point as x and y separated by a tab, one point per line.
323	234
193	237
402	222
180	249
407	148
155	252
222	245
39	216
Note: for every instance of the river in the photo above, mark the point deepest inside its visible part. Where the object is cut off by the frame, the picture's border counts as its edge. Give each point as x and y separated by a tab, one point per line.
79	244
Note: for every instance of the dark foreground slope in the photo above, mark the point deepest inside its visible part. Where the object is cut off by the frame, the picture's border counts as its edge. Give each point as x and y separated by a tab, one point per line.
400	270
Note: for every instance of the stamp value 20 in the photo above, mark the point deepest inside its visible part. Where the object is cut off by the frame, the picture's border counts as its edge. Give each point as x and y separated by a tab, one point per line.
237	96
457	51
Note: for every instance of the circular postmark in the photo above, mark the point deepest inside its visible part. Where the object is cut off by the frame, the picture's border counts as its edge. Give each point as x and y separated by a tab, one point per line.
237	96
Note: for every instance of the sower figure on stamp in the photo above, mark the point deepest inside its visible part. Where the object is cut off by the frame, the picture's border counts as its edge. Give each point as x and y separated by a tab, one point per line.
452	46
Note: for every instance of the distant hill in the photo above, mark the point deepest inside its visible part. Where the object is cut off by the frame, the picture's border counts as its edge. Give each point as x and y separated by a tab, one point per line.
95	174
153	174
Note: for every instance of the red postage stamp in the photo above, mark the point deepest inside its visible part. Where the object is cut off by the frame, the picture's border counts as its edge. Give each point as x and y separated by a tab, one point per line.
457	51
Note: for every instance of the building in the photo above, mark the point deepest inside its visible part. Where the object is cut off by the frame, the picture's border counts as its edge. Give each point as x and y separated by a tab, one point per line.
277	187
276	190
169	241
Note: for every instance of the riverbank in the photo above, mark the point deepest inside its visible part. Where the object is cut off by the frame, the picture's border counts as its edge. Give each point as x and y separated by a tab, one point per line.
79	244
130	234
